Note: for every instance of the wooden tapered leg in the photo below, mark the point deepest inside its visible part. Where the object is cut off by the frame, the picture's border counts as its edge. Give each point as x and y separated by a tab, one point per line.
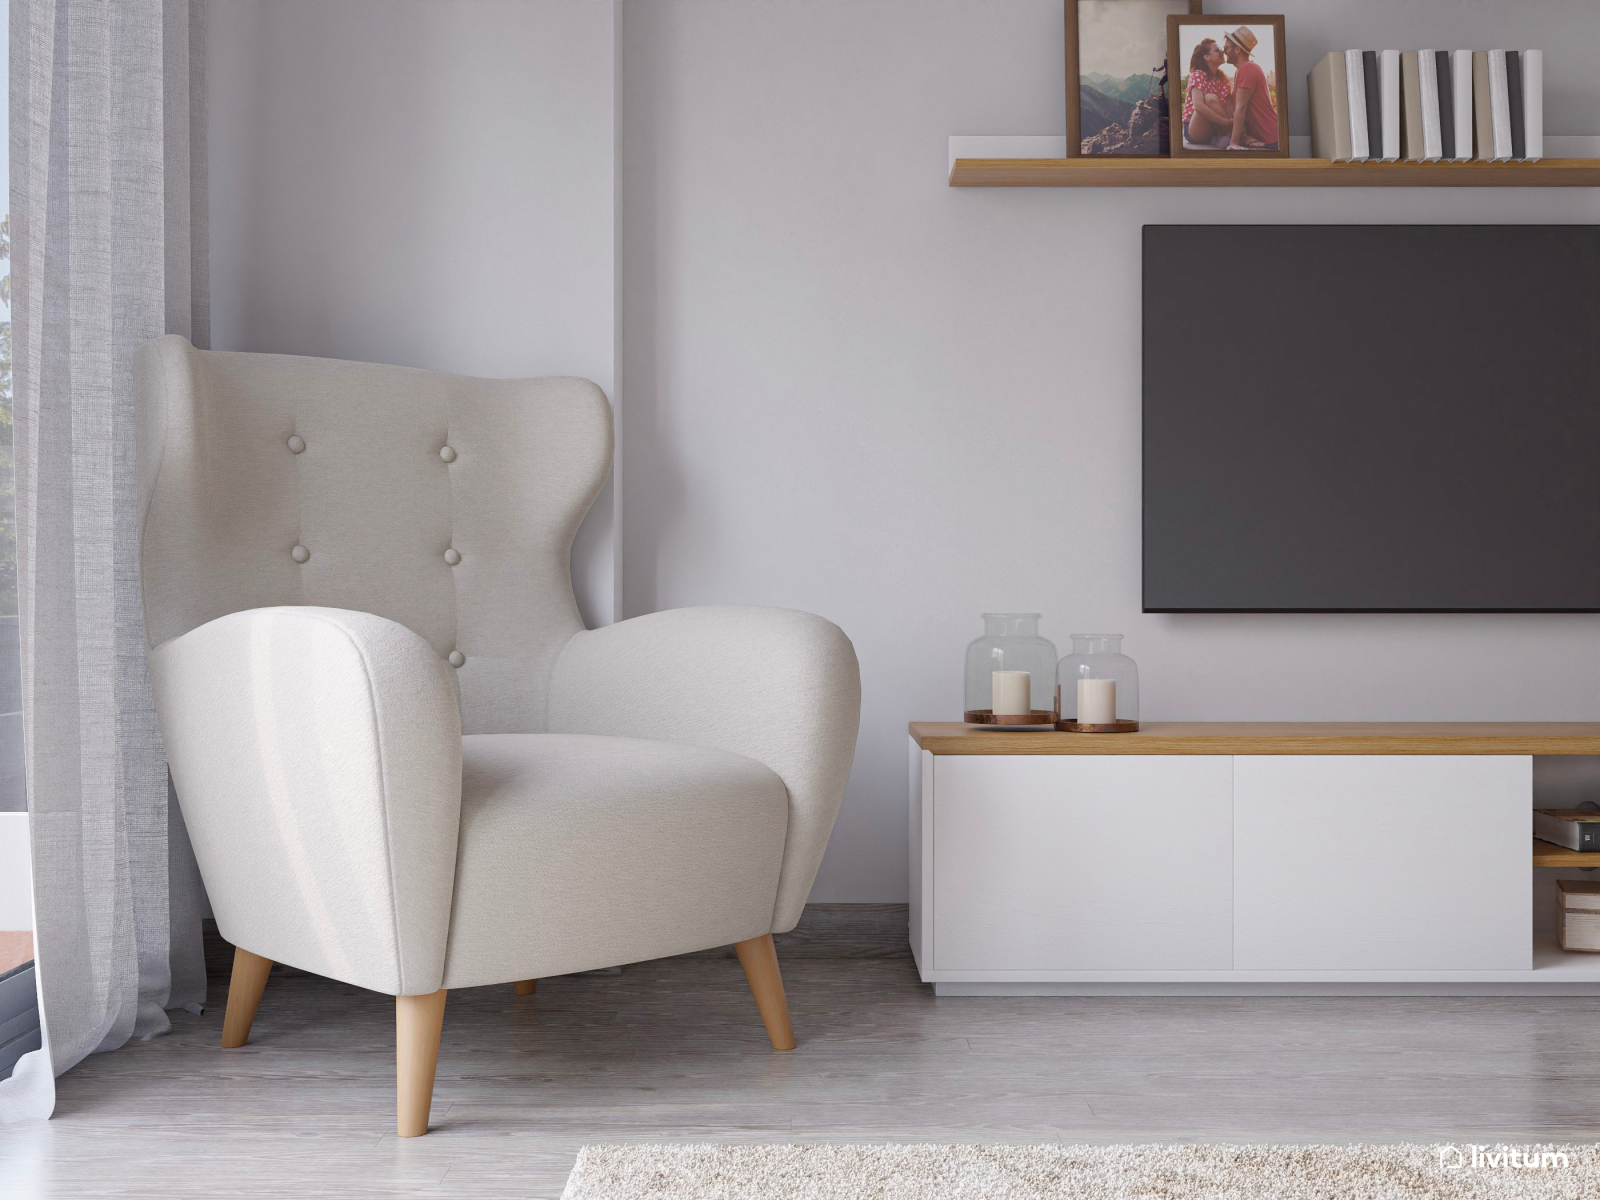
759	958
525	987
418	1021
244	996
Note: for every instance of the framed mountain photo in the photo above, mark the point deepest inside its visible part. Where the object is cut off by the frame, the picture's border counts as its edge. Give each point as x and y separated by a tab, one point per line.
1116	75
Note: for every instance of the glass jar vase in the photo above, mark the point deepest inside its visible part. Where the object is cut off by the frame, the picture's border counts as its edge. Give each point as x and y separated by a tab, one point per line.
1097	686
1010	674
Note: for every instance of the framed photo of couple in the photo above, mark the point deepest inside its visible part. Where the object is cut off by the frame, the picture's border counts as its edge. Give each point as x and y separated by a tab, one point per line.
1149	78
1226	86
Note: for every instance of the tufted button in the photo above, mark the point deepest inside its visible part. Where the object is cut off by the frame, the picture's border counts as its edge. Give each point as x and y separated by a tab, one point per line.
457	658
296	443
300	554
452	556
446	453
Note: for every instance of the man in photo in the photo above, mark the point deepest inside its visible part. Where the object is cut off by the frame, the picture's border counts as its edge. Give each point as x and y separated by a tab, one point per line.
1255	117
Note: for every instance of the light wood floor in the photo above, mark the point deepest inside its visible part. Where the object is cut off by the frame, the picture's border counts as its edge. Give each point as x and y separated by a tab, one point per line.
16	948
675	1050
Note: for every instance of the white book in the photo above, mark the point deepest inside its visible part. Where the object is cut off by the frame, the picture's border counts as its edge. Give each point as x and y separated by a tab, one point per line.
1356	79
1499	106
1330	108
1389	98
1533	103
1432	119
1461	97
1428	89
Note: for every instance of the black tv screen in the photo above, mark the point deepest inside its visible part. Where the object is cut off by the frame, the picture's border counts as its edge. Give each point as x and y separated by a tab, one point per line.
1385	418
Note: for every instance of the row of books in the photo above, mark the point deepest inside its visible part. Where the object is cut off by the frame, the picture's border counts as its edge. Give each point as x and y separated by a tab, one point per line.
1428	105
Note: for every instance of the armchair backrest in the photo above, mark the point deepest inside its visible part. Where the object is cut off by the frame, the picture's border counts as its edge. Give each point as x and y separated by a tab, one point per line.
444	503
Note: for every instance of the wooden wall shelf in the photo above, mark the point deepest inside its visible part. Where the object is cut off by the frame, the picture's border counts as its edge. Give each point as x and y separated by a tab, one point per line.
1267	172
1548	854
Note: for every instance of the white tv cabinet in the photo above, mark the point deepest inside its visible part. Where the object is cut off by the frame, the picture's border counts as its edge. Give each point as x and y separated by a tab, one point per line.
1237	859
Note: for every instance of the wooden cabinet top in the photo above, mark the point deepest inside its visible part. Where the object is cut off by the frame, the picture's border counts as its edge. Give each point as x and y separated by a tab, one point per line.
1274	737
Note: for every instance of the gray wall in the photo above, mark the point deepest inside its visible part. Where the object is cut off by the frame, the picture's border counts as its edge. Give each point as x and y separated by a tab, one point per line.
854	390
421	182
847	387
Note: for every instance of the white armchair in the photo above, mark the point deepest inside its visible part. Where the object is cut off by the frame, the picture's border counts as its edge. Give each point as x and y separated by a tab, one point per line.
402	761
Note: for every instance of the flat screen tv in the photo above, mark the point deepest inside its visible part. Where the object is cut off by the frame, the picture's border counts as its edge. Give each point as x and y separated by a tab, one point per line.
1371	418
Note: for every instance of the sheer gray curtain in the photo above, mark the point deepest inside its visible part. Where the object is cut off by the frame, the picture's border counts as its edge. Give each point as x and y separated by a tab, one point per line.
108	249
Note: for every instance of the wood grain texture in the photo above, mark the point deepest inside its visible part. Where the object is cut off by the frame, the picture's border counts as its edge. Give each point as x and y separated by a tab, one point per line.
1269	737
1072	76
987	716
759	959
1239	170
1548	854
418	1022
668	1051
249	980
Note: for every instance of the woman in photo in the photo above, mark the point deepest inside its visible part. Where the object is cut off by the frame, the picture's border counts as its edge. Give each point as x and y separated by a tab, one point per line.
1207	99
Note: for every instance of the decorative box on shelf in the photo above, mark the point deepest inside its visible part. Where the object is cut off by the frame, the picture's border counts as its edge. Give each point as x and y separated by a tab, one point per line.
1580	915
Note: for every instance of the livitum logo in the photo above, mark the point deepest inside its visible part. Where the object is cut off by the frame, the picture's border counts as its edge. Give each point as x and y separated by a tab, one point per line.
1481	1158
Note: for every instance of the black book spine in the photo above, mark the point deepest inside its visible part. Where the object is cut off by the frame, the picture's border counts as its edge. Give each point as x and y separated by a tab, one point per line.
1519	128
1447	106
1369	68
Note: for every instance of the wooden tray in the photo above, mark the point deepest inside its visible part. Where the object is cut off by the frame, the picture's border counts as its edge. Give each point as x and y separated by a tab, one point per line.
984	716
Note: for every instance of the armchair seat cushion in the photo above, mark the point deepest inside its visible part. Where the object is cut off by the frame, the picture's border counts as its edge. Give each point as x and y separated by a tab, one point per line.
578	851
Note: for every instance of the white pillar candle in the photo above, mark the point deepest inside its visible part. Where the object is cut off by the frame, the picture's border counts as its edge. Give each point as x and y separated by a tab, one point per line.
1013	693
1097	701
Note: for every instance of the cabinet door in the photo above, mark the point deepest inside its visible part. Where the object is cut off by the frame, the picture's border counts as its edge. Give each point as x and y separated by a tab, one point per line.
1061	863
1382	863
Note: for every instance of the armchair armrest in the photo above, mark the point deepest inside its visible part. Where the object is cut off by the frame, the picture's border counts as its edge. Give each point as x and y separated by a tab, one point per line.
778	686
316	754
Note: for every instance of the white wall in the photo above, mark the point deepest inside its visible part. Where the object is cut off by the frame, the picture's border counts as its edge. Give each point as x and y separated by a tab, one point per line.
425	182
850	389
854	390
16	872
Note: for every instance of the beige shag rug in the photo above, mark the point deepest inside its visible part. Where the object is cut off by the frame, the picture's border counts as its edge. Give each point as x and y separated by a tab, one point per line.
962	1172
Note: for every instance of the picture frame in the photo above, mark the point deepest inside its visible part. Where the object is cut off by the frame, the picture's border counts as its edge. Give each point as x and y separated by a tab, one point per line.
1110	46
1216	128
